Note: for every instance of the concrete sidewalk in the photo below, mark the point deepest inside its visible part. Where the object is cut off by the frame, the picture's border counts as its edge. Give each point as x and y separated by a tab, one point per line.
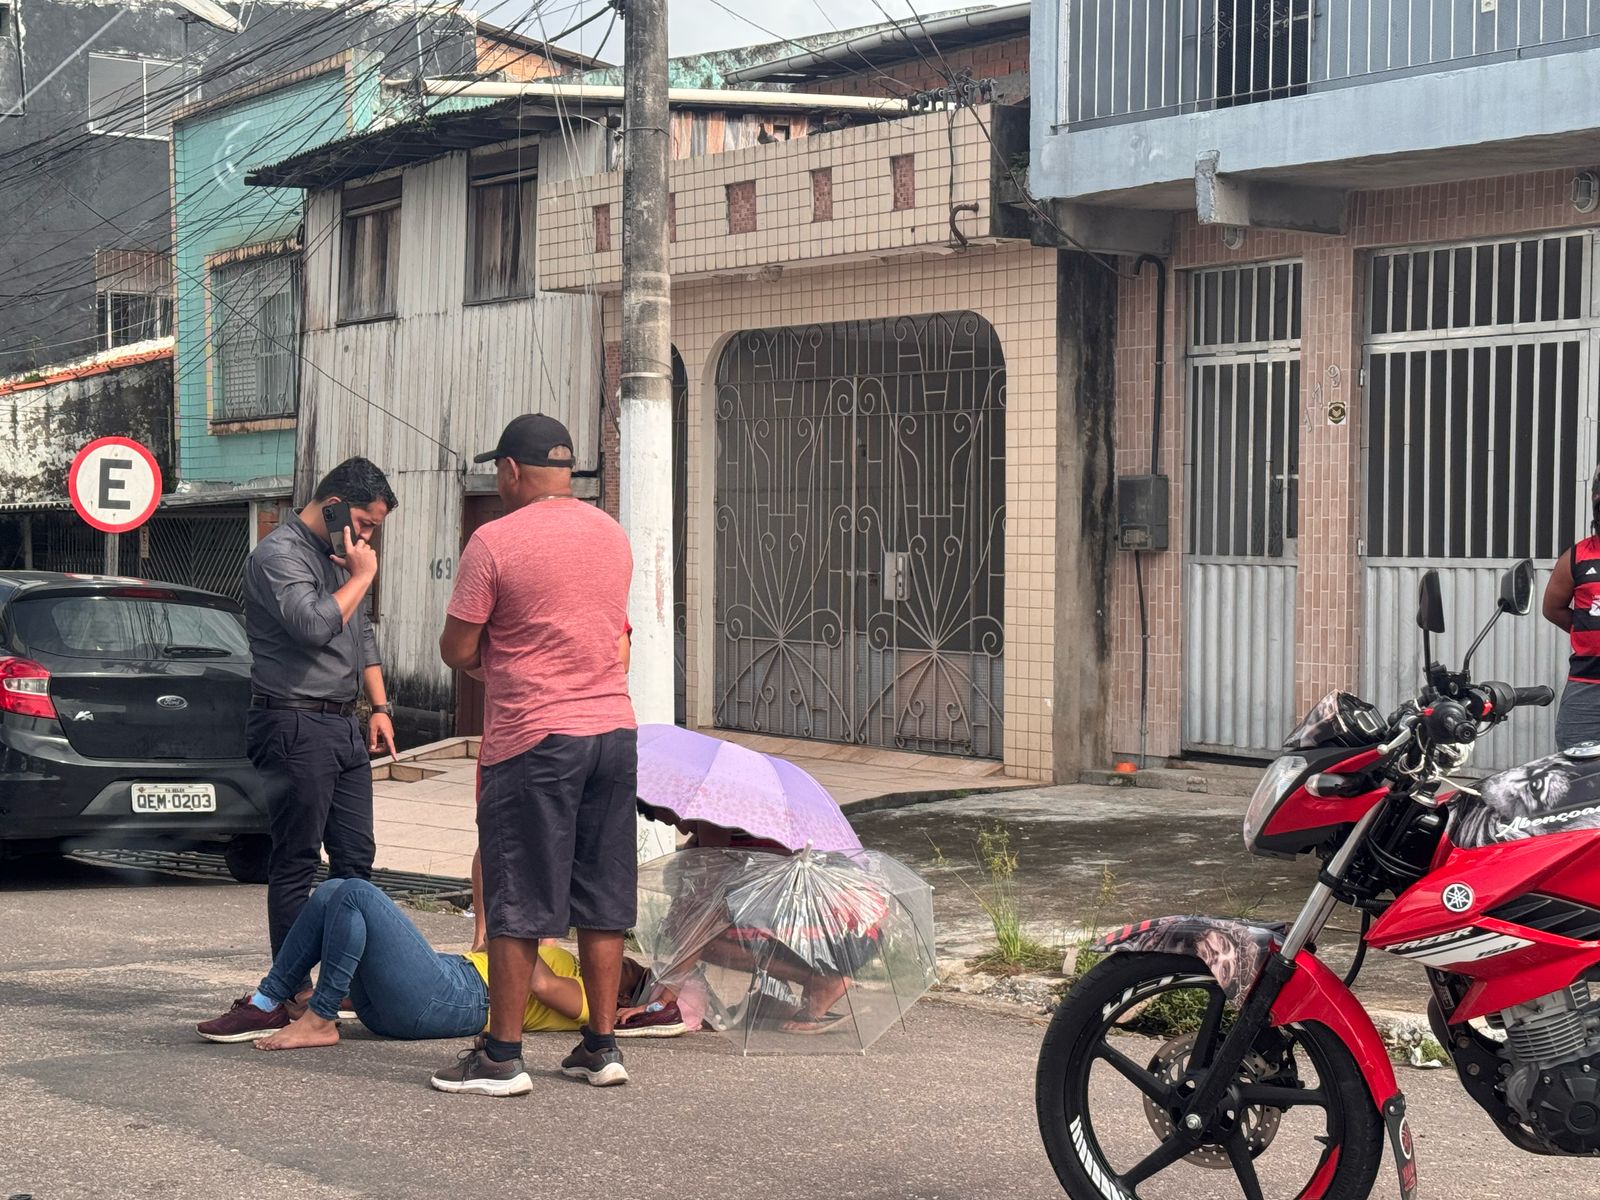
1098	857
425	802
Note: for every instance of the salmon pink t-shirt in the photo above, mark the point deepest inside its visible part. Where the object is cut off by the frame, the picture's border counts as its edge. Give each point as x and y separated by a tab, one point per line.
549	583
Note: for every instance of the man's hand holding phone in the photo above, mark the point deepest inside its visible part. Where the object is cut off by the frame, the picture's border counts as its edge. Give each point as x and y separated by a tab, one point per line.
359	558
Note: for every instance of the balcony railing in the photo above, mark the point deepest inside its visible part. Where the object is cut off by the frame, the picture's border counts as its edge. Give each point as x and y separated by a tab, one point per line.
1130	59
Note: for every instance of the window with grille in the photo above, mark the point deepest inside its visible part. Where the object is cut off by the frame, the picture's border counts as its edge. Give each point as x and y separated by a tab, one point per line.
255	327
1244	388
1262	49
502	207
133	296
1479	432
122	318
135	97
369	251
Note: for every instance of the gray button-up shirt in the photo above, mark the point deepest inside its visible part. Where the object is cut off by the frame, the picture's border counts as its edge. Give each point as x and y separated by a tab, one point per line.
301	646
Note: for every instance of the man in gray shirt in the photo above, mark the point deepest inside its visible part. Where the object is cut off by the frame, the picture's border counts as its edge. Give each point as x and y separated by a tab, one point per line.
314	650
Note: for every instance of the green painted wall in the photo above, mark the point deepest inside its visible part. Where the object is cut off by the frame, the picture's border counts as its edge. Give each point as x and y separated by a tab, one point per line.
213	210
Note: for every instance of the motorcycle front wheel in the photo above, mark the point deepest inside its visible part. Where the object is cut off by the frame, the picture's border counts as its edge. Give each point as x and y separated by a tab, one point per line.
1130	1042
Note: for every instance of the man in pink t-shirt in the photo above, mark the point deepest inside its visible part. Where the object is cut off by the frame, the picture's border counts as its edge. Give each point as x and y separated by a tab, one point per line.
539	607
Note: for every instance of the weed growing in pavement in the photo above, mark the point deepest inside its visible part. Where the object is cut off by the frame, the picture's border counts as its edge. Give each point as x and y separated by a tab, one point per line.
1014	949
1430	1053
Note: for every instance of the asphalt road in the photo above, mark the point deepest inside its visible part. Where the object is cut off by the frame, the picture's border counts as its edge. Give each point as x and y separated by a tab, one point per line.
106	1092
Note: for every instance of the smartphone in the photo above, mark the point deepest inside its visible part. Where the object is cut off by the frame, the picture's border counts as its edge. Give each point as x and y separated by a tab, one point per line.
336	519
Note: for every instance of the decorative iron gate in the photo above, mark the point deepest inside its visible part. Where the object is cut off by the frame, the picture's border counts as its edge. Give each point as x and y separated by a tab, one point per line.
860	513
1243	469
200	547
1479	438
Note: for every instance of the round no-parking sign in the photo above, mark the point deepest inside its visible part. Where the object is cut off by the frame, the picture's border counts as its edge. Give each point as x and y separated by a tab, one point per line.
115	484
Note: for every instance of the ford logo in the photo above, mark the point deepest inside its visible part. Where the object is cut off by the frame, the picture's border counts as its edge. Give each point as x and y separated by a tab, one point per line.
172	702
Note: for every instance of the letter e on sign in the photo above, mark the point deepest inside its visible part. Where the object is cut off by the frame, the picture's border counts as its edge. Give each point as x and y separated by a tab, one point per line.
115	484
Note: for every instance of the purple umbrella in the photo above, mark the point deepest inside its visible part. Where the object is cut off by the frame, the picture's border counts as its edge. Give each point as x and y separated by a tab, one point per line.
700	778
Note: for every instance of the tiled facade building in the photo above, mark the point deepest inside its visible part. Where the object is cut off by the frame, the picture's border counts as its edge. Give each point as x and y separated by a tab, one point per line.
870	384
1380	326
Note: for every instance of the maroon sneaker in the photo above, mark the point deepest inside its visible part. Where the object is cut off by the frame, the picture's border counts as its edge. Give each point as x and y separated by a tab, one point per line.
244	1022
665	1022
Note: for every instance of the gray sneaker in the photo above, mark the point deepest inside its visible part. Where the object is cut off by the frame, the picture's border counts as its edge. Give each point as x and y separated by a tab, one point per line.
602	1068
475	1073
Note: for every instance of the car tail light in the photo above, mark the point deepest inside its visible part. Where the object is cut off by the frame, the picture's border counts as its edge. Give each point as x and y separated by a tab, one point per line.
25	689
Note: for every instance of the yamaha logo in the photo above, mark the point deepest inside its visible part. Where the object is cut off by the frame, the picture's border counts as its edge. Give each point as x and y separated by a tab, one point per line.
1458	897
173	702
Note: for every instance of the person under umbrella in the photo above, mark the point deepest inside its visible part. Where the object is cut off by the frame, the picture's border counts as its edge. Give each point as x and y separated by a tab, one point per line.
815	951
723	795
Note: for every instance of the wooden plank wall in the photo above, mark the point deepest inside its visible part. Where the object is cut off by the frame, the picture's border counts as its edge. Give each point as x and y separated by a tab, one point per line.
441	376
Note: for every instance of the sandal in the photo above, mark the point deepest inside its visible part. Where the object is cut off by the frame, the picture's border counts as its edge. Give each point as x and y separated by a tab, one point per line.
811	1026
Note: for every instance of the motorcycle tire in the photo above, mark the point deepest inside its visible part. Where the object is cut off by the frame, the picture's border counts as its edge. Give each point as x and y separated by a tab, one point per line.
1070	1047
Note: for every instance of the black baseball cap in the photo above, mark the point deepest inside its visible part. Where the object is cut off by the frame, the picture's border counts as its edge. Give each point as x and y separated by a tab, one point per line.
529	439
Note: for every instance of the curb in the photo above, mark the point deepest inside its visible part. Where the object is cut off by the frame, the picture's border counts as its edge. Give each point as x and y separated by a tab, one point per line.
889	800
1404	1034
1166	779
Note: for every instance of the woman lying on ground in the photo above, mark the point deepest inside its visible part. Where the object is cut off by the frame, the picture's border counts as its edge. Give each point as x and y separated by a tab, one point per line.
400	986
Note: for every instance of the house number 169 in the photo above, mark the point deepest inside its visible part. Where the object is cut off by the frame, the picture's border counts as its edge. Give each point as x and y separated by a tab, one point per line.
443	568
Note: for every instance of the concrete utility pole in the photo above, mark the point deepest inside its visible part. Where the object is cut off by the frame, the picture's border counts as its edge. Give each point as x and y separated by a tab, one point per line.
646	466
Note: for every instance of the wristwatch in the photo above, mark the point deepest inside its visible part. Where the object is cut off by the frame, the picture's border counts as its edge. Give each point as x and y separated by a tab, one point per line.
381	708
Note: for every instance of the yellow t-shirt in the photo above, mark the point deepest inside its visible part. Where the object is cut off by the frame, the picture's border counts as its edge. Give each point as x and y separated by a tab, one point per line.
538	1017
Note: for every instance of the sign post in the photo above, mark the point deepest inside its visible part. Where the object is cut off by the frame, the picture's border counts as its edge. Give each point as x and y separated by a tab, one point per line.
114	484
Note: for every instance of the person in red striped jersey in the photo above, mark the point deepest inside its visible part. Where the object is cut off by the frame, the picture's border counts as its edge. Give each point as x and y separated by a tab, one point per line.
1572	603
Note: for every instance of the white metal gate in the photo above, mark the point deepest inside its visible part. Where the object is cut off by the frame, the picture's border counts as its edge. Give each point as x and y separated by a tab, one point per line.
1243	467
1479	438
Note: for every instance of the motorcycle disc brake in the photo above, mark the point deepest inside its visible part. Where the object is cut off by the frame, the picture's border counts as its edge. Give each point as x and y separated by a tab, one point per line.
1260	1122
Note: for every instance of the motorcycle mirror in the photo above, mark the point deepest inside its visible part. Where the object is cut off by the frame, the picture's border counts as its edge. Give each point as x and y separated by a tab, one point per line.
1516	589
1430	604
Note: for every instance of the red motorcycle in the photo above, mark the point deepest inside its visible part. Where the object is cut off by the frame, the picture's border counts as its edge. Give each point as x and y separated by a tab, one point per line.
1493	889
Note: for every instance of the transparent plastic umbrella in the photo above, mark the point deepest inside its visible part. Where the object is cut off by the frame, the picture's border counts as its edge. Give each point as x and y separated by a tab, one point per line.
813	953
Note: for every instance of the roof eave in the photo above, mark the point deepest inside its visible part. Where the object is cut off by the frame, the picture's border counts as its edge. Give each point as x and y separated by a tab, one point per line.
904	40
404	144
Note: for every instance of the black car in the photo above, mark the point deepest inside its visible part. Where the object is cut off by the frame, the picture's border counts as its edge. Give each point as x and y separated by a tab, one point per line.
122	710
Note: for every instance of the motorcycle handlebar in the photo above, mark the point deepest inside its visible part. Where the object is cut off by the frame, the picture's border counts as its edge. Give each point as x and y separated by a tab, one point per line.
1449	721
1496	700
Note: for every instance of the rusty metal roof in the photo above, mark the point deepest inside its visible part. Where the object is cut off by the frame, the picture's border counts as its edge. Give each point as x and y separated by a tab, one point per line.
407	142
905	39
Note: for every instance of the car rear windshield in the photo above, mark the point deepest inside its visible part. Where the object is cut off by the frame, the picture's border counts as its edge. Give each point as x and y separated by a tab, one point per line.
126	628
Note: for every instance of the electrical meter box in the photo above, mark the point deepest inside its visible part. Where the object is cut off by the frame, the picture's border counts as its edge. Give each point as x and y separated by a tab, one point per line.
1142	512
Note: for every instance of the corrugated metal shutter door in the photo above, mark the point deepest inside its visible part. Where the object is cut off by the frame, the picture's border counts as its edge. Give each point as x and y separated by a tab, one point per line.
1243	512
1479	439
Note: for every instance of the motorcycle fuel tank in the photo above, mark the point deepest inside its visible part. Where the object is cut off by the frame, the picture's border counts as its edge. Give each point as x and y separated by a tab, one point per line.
1557	794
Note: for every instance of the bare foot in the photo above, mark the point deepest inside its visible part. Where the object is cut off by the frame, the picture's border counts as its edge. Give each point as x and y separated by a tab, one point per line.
822	994
308	1031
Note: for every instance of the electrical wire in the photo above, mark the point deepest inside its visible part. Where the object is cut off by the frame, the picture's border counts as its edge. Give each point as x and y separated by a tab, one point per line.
953	81
78	276
205	286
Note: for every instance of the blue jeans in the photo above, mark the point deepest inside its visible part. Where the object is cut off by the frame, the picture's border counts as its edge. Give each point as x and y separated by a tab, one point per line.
370	951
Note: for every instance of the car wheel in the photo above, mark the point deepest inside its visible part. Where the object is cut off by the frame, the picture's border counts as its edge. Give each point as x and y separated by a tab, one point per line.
247	856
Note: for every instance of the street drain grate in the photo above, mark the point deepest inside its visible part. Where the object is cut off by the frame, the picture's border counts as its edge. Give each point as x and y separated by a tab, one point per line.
203	865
